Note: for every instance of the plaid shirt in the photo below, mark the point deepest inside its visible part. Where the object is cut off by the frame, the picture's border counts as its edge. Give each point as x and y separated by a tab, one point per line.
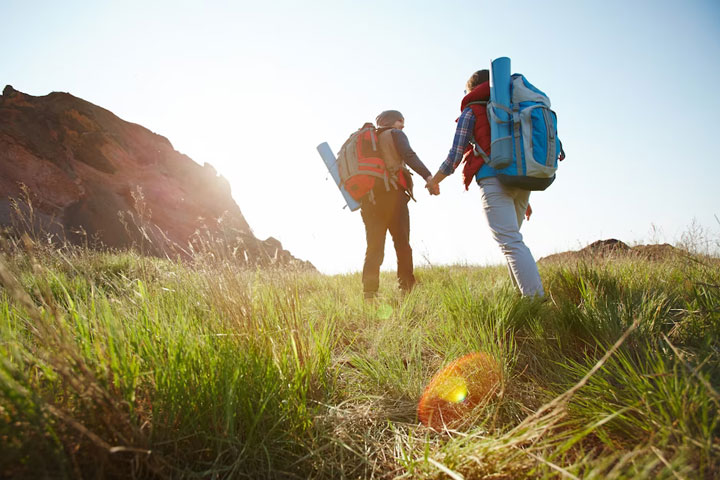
463	136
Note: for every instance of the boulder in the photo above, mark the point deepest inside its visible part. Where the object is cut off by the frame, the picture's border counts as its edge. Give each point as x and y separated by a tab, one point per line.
89	174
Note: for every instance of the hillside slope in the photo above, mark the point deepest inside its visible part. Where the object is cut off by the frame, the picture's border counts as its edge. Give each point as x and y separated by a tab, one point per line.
90	174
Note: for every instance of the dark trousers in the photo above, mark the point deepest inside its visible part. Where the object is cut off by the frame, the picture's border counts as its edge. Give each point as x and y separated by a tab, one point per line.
389	212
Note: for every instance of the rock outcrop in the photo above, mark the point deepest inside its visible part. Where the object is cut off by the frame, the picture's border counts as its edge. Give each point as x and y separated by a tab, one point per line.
613	248
95	178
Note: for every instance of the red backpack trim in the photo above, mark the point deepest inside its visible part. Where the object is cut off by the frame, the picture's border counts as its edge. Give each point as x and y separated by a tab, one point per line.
360	164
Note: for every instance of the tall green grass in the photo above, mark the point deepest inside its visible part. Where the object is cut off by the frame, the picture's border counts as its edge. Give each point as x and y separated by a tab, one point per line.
116	365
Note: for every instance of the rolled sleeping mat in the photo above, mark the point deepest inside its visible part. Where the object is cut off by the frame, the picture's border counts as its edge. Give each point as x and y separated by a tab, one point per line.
501	154
331	163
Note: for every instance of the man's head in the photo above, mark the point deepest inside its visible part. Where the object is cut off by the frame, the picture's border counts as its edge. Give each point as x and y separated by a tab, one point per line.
390	118
477	78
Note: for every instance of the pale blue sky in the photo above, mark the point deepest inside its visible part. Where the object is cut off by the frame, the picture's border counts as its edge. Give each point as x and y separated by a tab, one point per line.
252	88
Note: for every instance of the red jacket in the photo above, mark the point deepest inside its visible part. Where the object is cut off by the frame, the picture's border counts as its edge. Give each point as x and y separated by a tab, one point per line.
481	132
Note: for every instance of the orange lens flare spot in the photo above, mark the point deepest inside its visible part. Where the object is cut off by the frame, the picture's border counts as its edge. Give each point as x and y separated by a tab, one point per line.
458	389
453	389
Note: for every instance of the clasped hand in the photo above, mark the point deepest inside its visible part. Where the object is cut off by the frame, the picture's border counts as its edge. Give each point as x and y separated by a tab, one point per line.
432	186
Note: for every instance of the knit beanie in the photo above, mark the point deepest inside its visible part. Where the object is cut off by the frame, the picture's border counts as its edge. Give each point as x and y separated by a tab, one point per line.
388	118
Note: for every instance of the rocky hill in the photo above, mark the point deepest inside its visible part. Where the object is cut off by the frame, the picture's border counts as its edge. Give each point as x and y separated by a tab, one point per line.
92	177
613	249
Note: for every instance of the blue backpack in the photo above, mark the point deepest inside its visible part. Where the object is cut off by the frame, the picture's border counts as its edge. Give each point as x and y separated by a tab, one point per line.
536	147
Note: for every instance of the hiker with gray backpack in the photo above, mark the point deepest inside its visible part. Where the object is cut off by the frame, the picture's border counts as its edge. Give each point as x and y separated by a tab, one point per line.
510	147
373	169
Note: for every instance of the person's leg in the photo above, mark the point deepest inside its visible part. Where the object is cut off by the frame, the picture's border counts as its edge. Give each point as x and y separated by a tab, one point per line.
521	198
501	212
512	277
399	227
375	228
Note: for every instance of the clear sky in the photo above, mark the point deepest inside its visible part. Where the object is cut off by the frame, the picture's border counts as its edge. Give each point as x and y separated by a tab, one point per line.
253	87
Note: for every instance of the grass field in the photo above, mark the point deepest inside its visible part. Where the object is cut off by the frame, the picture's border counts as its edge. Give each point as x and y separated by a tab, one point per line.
114	365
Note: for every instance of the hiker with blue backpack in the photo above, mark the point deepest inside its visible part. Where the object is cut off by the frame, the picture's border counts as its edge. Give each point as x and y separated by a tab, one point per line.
510	147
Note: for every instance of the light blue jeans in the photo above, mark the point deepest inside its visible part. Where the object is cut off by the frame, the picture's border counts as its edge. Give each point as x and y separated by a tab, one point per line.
504	209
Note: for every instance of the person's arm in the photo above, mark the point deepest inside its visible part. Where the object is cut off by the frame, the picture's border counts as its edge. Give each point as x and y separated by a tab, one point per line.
463	135
402	145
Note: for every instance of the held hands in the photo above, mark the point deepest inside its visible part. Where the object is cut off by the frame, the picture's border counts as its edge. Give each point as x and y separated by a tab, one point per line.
433	183
432	186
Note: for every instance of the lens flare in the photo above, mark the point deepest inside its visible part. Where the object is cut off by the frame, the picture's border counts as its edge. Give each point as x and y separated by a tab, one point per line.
384	311
453	389
458	389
